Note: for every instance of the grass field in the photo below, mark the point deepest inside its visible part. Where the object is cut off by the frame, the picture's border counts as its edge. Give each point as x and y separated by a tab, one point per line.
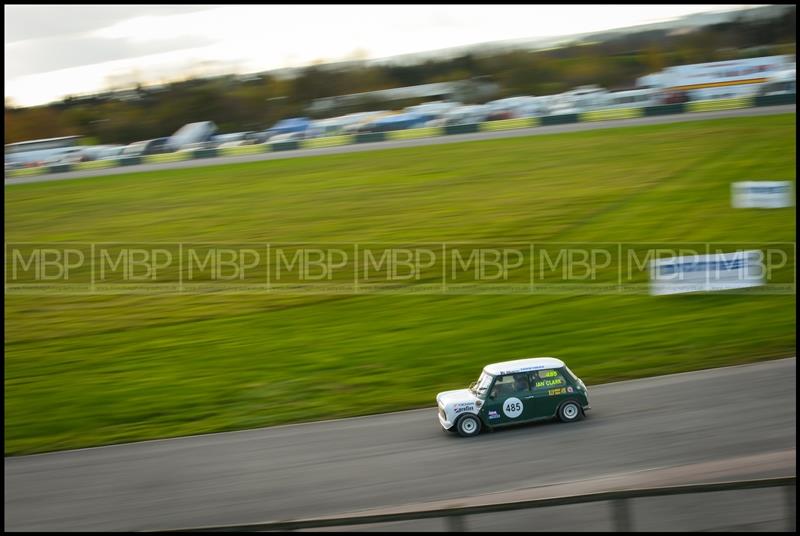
100	369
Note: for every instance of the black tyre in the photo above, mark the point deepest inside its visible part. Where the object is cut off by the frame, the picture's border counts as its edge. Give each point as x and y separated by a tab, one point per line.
570	411
468	425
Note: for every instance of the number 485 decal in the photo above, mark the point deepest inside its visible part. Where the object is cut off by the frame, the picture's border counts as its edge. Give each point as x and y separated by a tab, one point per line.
512	407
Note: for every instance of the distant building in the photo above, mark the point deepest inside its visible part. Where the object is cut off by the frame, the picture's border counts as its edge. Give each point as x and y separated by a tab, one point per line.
472	90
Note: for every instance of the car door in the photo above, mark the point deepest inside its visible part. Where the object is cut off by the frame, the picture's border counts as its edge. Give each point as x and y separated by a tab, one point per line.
548	389
506	402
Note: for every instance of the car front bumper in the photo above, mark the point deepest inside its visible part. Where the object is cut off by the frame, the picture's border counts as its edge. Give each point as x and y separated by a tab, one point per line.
443	420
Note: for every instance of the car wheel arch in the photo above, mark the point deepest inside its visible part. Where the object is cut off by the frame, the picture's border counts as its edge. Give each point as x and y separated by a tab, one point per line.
567	401
477	417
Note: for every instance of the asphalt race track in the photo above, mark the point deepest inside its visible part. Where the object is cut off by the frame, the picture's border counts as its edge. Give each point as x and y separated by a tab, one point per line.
711	425
535	131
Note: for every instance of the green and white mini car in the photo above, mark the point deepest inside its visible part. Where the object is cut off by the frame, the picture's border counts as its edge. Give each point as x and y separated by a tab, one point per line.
513	392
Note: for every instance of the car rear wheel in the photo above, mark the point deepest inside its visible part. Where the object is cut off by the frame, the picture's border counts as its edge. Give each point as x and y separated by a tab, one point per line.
468	426
569	412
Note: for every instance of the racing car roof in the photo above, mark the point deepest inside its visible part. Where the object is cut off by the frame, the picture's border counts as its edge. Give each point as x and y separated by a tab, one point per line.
523	365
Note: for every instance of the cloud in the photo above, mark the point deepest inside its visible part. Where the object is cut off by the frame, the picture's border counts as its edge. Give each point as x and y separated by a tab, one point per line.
24	23
65	51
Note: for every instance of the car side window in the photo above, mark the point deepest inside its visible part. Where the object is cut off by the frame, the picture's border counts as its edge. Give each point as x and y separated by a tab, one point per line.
521	383
547	379
503	387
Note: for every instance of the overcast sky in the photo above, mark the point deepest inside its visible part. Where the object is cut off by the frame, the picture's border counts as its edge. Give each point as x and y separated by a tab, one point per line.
53	51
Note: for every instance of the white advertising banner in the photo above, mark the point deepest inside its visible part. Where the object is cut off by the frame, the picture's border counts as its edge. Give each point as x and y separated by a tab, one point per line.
762	194
745	70
702	273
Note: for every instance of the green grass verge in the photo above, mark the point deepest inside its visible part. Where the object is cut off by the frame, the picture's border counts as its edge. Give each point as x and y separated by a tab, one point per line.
92	370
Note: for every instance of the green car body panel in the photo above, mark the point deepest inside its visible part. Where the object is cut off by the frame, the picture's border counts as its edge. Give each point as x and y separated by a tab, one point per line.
538	401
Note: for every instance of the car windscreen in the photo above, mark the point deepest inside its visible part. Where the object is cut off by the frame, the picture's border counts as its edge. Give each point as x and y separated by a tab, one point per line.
481	387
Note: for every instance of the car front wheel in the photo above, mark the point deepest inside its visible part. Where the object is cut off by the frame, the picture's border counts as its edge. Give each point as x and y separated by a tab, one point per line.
569	412
468	426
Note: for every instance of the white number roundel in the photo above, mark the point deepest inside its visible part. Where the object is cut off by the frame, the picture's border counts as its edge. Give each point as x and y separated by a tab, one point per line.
512	408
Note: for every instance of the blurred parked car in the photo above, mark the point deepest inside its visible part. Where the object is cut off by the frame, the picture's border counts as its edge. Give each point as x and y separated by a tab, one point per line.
240	143
197	146
99	152
397	122
561	104
434	109
112	151
239	138
289	126
13	165
133	149
514	107
590	97
500	115
76	156
676	97
781	83
191	133
287	136
465	115
334	126
534	106
633	98
147	147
